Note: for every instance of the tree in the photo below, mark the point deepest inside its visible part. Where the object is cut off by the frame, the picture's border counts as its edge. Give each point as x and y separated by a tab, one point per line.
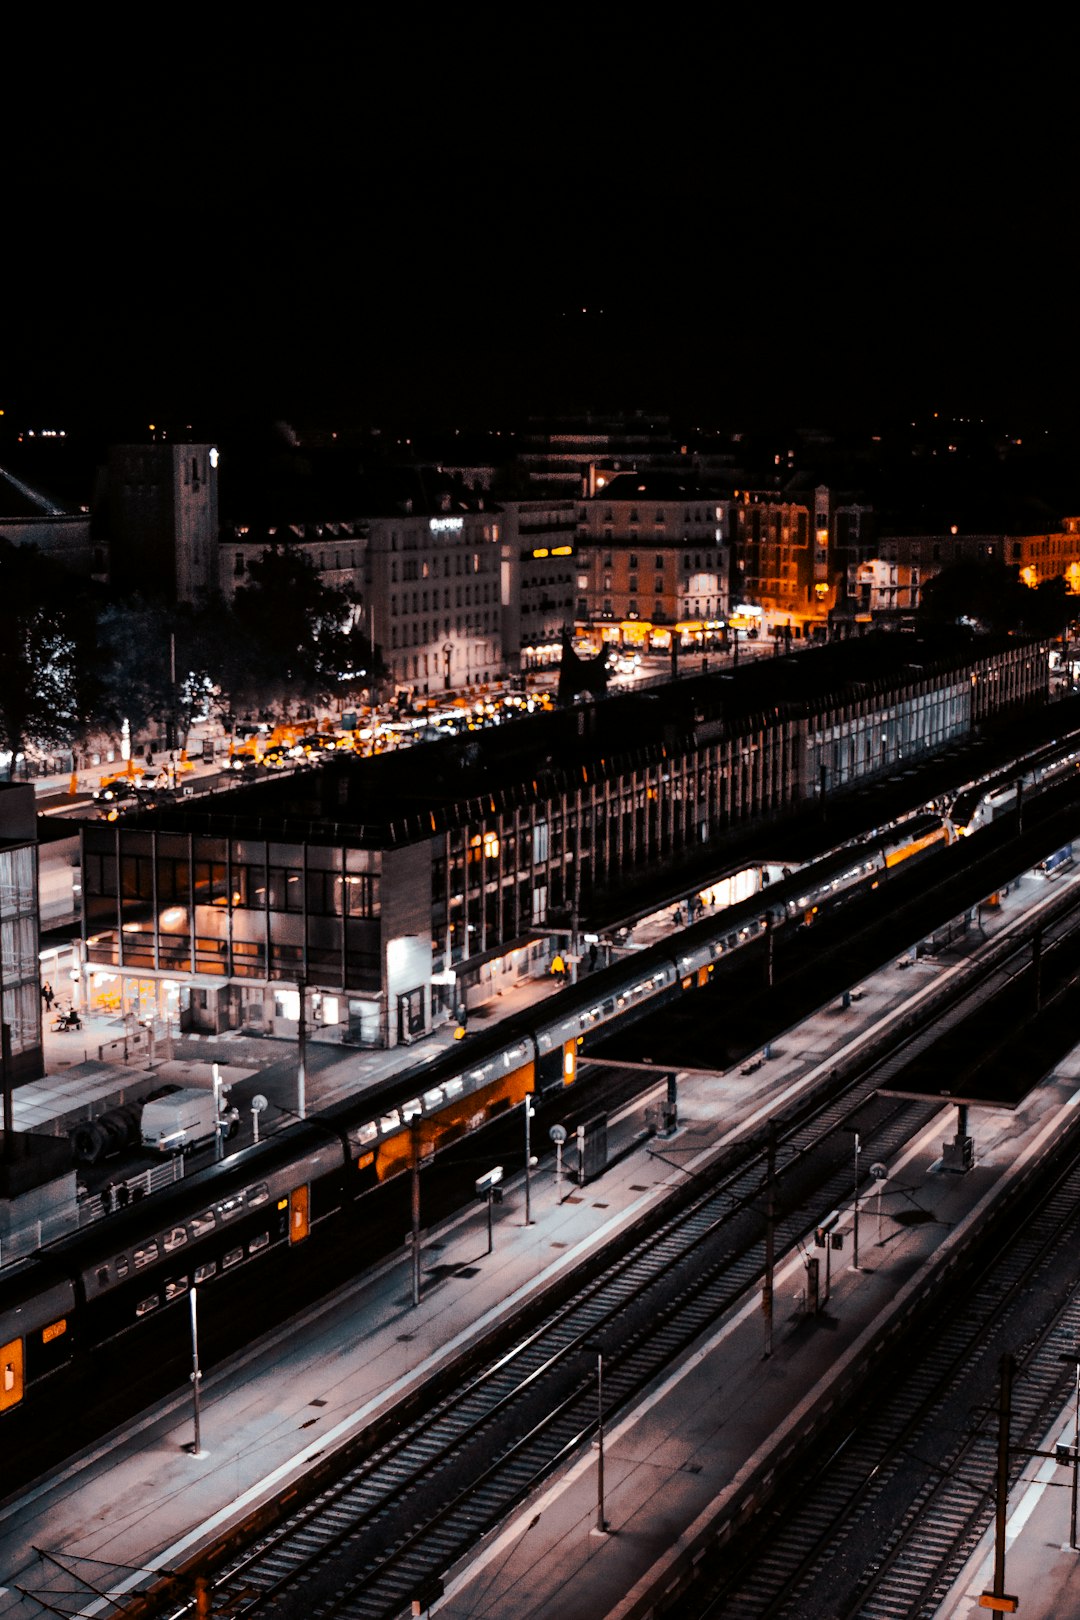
1049	608
293	633
135	686
987	595
992	596
47	673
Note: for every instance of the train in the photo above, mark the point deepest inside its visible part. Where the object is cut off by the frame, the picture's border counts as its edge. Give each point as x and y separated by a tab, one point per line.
986	801
111	1280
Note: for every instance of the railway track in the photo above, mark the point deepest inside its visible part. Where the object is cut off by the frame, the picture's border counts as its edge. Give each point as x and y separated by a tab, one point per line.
397	1518
455	1472
882	1530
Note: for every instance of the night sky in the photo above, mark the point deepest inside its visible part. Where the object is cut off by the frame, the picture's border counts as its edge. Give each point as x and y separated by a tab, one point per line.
382	222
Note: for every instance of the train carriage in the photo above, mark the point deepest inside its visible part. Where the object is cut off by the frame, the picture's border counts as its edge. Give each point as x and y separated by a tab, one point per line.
37	1329
129	1269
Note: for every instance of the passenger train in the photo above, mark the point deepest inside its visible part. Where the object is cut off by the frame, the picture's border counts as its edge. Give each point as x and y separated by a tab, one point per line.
110	1281
986	801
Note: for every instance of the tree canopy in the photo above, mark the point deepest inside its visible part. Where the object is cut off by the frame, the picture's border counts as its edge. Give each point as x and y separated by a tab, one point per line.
48	664
294	635
992	596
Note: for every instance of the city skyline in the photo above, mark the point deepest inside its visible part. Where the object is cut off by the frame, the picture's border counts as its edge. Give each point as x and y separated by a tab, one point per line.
816	226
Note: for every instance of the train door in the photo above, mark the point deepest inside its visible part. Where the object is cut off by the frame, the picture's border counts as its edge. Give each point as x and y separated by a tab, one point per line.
11	1374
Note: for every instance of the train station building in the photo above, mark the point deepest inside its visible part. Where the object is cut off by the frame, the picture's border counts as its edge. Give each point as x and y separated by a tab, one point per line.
388	892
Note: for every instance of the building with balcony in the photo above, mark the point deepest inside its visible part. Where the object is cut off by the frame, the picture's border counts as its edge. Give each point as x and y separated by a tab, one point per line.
792	557
652	561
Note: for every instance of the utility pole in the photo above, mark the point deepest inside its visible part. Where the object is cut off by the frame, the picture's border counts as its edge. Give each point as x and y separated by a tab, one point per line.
1075	1455
575	918
770	1239
855	1234
415	1133
601	1521
999	1599
5	1059
301	1049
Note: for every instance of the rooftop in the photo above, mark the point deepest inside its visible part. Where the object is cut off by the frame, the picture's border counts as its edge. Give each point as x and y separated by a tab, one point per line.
409	794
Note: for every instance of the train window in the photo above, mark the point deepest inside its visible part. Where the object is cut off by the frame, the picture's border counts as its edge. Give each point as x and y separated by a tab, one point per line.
258	1243
432	1099
368	1132
365	1161
230	1207
206	1270
121	1265
232	1257
452	1087
173	1240
145	1306
390	1120
146	1255
410	1109
257	1195
174	1287
201	1224
103	1277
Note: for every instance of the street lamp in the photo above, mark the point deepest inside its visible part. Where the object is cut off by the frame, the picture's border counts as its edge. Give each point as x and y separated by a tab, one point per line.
530	1113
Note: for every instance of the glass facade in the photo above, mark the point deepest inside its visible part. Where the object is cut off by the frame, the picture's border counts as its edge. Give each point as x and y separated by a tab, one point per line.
19	954
191	903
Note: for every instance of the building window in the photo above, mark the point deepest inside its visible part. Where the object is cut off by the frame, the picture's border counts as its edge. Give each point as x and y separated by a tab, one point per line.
540	843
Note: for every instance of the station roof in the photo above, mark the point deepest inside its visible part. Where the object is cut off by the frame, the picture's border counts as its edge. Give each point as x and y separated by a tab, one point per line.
408	794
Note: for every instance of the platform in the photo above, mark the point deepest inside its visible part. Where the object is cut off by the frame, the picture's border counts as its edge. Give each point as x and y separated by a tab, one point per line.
140	1502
